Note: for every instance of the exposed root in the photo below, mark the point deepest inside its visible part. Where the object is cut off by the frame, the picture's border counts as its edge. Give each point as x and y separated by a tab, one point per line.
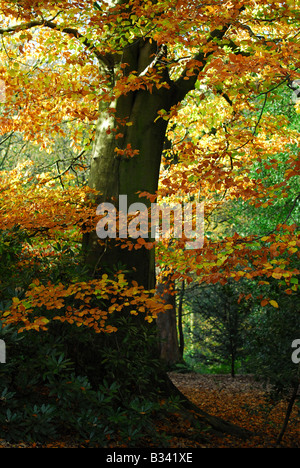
198	417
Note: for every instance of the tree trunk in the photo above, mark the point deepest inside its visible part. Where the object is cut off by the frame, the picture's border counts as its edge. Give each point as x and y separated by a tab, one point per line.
166	324
180	324
113	174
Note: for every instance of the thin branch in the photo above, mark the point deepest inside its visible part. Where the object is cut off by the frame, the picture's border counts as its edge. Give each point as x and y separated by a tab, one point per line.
106	59
255	238
292	209
7	149
186	83
251	33
261	114
256	126
265	93
60	174
275	87
160	54
6	138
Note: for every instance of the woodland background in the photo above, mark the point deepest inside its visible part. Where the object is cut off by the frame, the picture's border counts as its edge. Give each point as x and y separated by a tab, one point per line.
93	344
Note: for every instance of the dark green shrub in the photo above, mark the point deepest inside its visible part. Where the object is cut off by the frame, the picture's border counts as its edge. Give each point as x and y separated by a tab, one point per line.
70	380
269	346
43	396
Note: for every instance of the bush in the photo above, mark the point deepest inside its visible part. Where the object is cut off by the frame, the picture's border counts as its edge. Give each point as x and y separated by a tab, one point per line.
43	395
70	380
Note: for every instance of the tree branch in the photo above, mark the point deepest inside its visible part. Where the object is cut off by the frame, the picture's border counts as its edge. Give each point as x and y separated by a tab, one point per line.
105	59
7	137
186	82
21	27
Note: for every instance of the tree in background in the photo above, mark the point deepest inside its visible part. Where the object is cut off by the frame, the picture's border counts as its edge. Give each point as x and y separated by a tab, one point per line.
220	325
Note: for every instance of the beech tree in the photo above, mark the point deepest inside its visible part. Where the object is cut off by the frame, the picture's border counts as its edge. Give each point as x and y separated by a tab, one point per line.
150	56
196	74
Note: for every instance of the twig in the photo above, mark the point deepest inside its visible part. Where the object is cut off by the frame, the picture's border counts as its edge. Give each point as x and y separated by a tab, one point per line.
255	238
60	174
275	87
261	114
257	124
106	59
6	138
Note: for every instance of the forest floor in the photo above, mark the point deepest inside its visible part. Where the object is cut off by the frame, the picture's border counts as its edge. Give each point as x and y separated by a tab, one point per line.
240	401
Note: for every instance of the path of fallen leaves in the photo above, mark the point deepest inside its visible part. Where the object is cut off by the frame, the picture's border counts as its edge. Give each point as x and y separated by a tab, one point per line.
239	401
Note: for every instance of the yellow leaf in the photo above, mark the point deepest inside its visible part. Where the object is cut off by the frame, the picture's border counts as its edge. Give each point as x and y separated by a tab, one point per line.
274	304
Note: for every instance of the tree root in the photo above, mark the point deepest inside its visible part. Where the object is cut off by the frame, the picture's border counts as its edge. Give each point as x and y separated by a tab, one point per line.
196	416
